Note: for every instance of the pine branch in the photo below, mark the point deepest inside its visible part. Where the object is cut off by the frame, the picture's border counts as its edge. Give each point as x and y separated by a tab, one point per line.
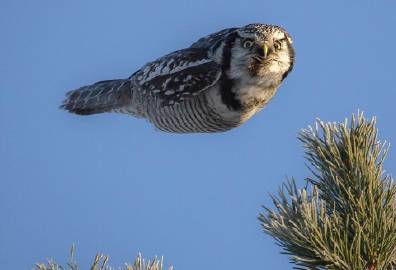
345	218
100	263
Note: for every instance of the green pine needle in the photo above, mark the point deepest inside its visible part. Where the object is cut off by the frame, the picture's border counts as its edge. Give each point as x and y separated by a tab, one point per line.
100	263
346	216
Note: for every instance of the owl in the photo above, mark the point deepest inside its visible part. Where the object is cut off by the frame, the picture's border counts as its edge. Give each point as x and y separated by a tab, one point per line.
216	84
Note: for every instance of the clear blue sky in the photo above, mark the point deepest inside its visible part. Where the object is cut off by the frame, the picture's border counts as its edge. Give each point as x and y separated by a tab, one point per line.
111	183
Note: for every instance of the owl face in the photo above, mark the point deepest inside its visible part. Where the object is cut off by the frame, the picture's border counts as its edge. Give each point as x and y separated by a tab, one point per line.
260	50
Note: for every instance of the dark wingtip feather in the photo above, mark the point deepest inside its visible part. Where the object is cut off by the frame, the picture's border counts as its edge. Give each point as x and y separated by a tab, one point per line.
70	103
69	107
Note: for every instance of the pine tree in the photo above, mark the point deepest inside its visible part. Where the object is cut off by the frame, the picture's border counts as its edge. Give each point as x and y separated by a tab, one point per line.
345	216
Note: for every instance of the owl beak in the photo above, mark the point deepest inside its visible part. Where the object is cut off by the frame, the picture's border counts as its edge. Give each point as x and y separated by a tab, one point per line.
265	50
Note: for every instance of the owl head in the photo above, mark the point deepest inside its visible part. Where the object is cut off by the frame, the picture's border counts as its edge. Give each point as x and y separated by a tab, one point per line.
256	50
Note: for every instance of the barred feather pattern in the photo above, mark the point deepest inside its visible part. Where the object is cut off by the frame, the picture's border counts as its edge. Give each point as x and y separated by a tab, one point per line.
190	116
193	115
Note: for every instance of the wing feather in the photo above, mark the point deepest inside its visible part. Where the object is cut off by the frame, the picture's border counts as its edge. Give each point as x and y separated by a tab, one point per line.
178	76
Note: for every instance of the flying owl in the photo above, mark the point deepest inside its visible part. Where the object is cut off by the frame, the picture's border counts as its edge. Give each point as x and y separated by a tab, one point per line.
215	85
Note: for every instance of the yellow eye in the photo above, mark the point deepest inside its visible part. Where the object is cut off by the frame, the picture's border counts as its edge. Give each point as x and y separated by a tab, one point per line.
248	43
277	45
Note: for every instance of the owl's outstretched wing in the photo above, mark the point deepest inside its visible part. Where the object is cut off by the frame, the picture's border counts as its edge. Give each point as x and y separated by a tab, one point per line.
178	76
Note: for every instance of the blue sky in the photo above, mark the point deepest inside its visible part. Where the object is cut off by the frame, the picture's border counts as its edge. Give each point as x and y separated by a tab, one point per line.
112	184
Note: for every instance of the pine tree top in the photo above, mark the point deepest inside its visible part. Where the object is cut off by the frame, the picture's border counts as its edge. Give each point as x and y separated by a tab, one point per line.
345	217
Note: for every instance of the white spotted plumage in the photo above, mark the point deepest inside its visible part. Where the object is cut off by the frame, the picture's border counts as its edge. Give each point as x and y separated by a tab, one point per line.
214	85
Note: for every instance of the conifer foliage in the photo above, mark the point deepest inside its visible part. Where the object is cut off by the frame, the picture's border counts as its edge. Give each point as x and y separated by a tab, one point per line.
100	262
345	216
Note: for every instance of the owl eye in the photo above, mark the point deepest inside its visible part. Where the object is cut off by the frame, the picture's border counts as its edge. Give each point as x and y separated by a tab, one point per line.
277	45
248	43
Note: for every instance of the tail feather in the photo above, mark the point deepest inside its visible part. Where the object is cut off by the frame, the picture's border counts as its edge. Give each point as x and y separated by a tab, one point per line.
100	97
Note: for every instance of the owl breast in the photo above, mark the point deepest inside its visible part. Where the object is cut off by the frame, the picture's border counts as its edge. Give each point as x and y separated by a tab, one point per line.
198	114
253	93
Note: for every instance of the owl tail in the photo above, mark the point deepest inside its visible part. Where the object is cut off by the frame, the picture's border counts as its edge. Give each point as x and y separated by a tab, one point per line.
100	97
